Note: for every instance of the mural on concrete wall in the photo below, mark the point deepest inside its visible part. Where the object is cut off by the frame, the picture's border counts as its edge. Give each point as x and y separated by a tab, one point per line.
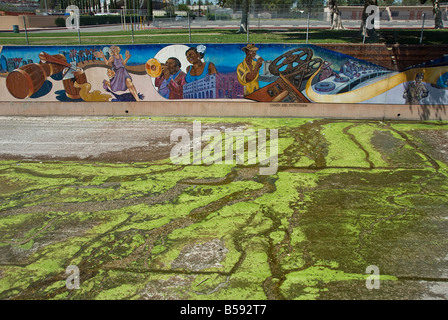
253	72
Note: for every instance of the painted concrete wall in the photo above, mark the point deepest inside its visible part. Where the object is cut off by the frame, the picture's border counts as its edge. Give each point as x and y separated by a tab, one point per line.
214	72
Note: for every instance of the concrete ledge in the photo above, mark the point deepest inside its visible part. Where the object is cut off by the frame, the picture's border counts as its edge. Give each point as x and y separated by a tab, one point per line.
227	109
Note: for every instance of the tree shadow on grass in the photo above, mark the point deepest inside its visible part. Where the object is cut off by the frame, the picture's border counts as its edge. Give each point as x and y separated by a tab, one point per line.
413	36
328	36
389	36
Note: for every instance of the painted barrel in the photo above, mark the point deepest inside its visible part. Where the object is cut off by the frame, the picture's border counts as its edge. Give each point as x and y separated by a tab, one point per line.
26	81
54	67
69	84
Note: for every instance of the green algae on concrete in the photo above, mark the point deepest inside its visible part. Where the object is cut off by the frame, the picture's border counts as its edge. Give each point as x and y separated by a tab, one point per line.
346	195
342	150
363	134
307	284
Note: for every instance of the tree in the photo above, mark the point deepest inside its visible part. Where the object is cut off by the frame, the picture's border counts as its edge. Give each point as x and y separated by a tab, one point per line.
47	4
183	7
438	22
244	16
279	6
311	6
410	2
149	12
335	15
244	9
386	2
170	10
364	30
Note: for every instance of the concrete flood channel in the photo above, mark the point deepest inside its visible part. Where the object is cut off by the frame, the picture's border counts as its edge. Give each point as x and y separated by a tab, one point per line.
348	194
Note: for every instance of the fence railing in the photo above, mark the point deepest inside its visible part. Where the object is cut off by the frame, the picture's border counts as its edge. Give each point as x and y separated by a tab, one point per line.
261	18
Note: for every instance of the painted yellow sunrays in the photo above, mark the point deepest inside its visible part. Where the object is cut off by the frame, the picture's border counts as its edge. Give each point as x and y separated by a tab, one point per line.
374	89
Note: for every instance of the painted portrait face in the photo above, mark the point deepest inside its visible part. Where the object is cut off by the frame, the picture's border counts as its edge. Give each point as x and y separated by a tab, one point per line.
114	50
419	77
251	54
192	56
172	66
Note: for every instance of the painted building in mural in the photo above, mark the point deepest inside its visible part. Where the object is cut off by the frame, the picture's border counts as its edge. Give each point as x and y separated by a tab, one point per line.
251	73
215	86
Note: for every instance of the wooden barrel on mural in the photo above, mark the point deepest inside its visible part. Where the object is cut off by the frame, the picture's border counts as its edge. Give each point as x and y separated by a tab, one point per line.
69	84
28	79
55	68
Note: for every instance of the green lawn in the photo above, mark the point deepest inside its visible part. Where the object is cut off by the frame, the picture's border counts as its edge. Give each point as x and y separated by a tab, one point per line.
224	36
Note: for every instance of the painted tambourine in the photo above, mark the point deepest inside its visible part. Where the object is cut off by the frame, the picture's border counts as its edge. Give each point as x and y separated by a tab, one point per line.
153	68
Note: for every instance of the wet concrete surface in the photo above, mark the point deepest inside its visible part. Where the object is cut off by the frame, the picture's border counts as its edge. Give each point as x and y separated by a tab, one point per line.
101	193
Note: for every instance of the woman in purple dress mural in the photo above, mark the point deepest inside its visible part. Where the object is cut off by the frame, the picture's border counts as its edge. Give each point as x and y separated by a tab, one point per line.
121	81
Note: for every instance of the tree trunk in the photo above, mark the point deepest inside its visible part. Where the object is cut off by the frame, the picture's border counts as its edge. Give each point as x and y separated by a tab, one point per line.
244	17
370	32
335	15
49	4
149	12
337	23
438	22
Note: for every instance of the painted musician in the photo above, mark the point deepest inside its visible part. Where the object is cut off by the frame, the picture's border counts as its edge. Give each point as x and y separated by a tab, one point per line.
248	70
172	80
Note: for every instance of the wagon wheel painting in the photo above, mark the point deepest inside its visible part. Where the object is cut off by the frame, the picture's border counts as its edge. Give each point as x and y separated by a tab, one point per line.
296	65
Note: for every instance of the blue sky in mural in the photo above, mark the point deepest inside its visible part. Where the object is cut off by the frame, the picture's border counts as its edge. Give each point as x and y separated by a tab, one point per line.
225	56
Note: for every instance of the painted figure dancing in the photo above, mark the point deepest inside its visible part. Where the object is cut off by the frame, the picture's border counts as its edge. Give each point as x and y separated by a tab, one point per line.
121	81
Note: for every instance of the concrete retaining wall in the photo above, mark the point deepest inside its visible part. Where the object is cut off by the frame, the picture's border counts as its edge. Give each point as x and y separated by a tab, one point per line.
335	81
227	109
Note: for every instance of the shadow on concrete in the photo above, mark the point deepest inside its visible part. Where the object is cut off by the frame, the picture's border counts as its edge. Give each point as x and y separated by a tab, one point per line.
429	112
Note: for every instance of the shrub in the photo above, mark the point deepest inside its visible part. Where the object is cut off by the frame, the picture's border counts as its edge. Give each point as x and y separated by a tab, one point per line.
218	16
94	20
59	22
